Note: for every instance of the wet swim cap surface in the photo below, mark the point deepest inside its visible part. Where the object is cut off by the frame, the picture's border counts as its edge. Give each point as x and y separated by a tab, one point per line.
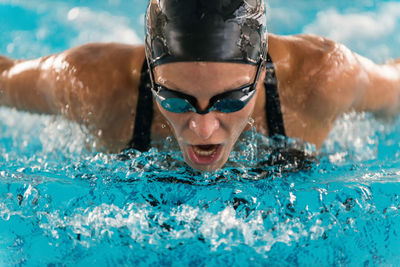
205	30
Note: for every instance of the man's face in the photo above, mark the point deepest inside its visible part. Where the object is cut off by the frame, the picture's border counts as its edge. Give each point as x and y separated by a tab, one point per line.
206	140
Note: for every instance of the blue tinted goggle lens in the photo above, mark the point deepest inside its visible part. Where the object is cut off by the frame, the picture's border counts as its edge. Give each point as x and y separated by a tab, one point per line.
229	105
177	105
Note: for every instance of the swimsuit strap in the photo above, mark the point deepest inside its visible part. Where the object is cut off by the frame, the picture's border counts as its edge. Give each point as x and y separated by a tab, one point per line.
144	114
273	105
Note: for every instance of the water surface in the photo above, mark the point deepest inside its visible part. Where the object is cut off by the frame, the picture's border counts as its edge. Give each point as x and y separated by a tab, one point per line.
64	204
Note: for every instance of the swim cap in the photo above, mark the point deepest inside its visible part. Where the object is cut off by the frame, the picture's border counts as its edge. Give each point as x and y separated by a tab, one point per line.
205	30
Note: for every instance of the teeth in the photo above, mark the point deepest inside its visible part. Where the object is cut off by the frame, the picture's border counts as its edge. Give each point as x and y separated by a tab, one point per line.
205	151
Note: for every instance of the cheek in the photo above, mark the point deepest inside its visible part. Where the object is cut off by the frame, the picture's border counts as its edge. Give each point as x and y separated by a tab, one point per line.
240	119
176	121
235	120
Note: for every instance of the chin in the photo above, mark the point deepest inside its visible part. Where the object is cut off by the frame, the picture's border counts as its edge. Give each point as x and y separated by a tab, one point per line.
205	168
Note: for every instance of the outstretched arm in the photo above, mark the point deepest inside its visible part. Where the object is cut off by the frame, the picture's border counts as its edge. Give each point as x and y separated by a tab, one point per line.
88	77
345	81
379	87
23	86
94	85
321	79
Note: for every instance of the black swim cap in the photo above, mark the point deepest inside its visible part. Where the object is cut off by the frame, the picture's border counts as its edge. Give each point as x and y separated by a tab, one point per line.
205	30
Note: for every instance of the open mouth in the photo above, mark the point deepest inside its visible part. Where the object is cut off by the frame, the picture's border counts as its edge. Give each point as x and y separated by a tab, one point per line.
205	150
204	154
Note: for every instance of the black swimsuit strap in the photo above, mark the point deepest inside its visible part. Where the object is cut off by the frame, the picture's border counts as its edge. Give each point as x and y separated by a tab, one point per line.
273	105
144	114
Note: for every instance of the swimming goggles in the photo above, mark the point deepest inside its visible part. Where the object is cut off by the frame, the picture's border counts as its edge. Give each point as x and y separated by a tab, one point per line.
227	102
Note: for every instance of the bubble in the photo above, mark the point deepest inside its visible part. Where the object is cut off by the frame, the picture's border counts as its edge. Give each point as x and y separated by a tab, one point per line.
251	121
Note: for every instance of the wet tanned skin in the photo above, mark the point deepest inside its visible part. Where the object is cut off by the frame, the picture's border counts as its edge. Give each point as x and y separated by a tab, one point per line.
96	85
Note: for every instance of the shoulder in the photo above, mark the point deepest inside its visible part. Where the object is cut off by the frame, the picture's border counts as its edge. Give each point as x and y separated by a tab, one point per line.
319	69
312	58
104	68
305	42
308	54
100	86
103	49
106	55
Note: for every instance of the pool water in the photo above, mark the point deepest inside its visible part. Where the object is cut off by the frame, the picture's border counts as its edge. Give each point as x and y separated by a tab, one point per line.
64	204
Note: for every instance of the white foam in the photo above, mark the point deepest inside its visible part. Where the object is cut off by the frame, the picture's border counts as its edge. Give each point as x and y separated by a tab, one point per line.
354	136
64	136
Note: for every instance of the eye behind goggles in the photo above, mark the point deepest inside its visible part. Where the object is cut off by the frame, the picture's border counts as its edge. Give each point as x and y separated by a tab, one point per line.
226	102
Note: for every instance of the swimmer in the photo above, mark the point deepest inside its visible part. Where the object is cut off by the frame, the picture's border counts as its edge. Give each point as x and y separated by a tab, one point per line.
207	68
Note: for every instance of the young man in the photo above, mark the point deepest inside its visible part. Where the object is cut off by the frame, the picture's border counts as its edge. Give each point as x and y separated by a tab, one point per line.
208	67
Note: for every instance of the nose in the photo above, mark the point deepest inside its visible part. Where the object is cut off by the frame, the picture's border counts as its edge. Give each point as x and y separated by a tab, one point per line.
204	125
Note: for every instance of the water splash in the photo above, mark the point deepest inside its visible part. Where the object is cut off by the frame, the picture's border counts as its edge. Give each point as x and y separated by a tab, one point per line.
74	204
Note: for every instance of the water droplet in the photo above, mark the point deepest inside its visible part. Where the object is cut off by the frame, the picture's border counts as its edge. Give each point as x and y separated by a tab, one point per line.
251	121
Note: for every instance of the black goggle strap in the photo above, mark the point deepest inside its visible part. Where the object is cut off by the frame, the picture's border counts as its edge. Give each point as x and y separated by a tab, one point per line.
150	70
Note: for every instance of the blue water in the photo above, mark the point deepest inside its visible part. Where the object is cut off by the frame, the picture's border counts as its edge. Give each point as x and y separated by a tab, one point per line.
64	204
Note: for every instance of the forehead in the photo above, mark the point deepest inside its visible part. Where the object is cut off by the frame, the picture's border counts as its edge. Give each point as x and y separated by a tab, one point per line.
204	74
